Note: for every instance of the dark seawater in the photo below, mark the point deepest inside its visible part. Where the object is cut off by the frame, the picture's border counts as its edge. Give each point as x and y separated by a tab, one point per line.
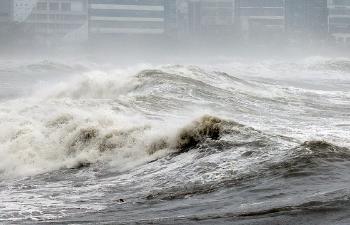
237	142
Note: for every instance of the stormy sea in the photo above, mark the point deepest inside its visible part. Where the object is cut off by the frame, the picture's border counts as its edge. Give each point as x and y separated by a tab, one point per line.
229	142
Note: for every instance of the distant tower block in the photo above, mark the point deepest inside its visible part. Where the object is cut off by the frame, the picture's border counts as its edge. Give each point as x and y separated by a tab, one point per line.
339	20
261	19
57	18
132	17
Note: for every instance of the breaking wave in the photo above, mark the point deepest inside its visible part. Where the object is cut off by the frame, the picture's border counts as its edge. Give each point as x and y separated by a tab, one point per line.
232	140
312	158
79	139
126	118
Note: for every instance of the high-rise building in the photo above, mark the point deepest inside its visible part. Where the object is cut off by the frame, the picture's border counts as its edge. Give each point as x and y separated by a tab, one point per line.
58	18
194	16
339	20
211	17
306	19
131	17
216	16
22	9
5	19
170	17
261	18
5	10
5	22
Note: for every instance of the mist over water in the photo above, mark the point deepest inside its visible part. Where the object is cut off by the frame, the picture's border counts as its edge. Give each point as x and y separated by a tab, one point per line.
175	112
174	139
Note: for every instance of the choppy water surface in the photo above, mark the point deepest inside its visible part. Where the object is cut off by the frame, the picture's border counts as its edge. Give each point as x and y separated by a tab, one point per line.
237	142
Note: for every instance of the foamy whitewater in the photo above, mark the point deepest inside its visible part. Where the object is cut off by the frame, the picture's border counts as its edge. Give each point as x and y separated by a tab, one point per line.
235	142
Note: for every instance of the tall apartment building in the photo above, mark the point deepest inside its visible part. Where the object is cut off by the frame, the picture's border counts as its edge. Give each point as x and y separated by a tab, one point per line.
5	10
57	18
193	16
261	18
306	19
339	20
22	9
5	23
131	17
170	17
211	17
5	19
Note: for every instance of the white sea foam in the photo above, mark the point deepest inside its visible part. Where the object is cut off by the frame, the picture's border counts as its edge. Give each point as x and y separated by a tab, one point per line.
66	124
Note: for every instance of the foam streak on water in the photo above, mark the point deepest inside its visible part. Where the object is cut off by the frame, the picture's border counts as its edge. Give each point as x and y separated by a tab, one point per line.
236	142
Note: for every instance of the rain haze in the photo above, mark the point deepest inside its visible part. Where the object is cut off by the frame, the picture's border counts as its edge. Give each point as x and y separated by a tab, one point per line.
175	112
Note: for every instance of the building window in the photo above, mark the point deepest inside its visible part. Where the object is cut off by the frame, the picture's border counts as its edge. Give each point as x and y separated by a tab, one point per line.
41	6
54	6
77	6
65	7
41	17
